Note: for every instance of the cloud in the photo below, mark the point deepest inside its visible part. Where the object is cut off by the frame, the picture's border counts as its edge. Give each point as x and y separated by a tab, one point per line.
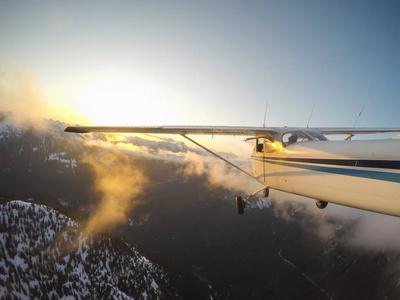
376	232
219	173
193	161
20	95
27	101
118	182
355	228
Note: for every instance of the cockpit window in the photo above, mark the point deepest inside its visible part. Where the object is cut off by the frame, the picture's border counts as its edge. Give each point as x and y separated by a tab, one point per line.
317	136
294	137
301	136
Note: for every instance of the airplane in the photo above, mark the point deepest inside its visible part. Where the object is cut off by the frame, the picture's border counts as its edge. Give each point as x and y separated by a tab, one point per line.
364	174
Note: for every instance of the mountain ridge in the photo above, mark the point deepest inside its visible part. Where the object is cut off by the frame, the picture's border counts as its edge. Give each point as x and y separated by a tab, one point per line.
47	254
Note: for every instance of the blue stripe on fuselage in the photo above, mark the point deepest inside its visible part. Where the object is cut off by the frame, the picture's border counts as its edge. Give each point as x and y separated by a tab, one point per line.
370	174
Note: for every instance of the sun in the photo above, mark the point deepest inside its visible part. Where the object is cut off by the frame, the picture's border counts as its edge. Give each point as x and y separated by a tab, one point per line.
116	102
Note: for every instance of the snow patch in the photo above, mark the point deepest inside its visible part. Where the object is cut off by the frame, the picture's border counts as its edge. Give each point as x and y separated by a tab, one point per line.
260	203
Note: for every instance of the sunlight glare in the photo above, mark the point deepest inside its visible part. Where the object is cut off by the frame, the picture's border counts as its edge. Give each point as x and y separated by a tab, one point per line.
121	103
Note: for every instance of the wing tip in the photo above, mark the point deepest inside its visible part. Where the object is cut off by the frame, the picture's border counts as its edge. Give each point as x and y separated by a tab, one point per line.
75	129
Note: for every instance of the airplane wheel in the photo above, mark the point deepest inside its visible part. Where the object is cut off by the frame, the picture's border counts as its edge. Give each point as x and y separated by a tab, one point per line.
240	205
266	192
321	204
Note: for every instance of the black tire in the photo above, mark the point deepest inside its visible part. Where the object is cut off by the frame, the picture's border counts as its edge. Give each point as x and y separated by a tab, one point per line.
240	205
321	204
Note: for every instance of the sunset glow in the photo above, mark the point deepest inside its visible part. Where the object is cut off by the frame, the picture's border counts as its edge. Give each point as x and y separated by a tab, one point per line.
120	103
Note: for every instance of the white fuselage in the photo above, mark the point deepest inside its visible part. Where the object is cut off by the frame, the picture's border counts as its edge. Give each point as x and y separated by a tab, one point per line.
363	174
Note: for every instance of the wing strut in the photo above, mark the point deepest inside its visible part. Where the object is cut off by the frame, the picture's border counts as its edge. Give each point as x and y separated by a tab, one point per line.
216	155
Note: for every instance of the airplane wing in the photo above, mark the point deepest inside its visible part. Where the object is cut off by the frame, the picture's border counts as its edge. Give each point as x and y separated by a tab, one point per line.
223	130
354	131
211	130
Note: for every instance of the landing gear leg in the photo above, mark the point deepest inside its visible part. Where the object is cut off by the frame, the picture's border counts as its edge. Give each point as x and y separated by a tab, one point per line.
321	204
240	205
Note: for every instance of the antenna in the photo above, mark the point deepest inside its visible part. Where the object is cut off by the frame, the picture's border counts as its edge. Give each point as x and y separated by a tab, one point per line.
265	114
310	115
358	117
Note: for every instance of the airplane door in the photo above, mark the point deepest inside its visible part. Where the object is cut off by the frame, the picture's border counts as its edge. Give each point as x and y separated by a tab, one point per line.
269	167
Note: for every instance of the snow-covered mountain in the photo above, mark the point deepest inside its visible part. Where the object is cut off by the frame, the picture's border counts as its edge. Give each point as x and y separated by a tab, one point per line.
36	159
45	254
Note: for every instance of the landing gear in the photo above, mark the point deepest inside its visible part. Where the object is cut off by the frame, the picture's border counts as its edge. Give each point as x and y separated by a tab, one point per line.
240	205
266	192
321	204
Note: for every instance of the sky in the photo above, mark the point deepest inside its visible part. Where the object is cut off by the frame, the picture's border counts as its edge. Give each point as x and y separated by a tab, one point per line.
203	62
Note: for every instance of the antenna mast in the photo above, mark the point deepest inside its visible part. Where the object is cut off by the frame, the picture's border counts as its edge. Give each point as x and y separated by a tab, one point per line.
358	117
265	114
310	115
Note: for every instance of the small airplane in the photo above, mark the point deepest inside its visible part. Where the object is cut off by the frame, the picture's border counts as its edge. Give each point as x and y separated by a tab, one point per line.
363	174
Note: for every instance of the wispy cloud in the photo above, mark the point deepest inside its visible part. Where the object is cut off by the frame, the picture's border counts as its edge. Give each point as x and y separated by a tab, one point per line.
118	182
194	161
19	94
356	228
219	174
